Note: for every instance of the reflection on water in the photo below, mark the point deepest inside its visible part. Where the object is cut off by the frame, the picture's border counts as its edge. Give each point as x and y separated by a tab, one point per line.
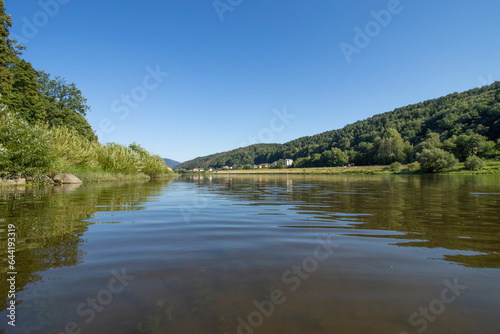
257	254
50	221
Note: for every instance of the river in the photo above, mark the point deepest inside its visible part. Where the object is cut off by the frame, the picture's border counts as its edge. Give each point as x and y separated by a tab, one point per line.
255	254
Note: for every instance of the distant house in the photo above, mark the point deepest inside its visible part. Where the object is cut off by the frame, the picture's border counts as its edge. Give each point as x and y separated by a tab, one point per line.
227	167
264	165
255	166
197	169
288	162
275	163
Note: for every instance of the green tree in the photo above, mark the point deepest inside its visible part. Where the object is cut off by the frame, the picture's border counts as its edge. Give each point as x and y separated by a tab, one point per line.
326	159
61	93
366	155
391	147
465	145
302	162
64	104
70	119
474	163
334	157
25	98
9	52
280	163
316	160
436	160
432	141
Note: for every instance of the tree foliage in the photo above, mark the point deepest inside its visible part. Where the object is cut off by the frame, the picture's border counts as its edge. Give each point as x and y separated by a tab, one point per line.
34	95
466	145
25	98
64	104
436	160
62	94
9	51
474	163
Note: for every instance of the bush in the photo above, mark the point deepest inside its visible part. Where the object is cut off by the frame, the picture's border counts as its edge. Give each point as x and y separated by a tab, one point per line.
436	160
396	166
414	166
474	163
26	150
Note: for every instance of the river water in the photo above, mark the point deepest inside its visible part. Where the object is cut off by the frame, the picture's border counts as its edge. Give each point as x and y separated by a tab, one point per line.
256	254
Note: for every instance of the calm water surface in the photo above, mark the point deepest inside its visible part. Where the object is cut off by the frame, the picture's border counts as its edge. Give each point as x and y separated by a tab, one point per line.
257	254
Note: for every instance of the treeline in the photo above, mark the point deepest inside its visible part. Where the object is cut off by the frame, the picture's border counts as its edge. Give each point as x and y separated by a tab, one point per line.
456	126
247	156
43	127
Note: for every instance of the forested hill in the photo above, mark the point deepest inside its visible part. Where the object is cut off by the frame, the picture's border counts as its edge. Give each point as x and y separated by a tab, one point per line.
258	153
171	163
461	123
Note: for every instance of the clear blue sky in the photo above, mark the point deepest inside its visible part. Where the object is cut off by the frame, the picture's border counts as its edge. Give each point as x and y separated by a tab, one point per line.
225	77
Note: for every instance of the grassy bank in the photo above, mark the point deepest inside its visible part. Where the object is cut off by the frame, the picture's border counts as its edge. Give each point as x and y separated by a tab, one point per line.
35	151
491	167
90	176
312	170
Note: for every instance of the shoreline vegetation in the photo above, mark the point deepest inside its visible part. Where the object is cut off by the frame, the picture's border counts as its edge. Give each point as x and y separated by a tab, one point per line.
490	168
89	177
36	152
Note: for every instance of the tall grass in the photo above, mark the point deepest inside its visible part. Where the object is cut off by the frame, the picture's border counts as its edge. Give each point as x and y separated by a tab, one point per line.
119	159
153	165
75	150
72	149
27	150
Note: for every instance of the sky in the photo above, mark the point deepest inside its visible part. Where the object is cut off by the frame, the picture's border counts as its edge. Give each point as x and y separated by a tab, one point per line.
191	78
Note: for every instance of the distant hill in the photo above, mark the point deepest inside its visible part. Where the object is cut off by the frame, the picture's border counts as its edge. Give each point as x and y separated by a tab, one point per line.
460	123
258	153
171	163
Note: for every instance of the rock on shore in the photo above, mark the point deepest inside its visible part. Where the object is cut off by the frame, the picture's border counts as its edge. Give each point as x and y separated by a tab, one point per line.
66	178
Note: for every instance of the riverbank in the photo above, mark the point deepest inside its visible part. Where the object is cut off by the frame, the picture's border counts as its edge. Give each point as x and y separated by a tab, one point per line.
311	170
491	167
87	176
93	177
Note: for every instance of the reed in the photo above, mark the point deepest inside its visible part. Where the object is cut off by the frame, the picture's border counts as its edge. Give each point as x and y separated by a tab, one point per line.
35	149
25	149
